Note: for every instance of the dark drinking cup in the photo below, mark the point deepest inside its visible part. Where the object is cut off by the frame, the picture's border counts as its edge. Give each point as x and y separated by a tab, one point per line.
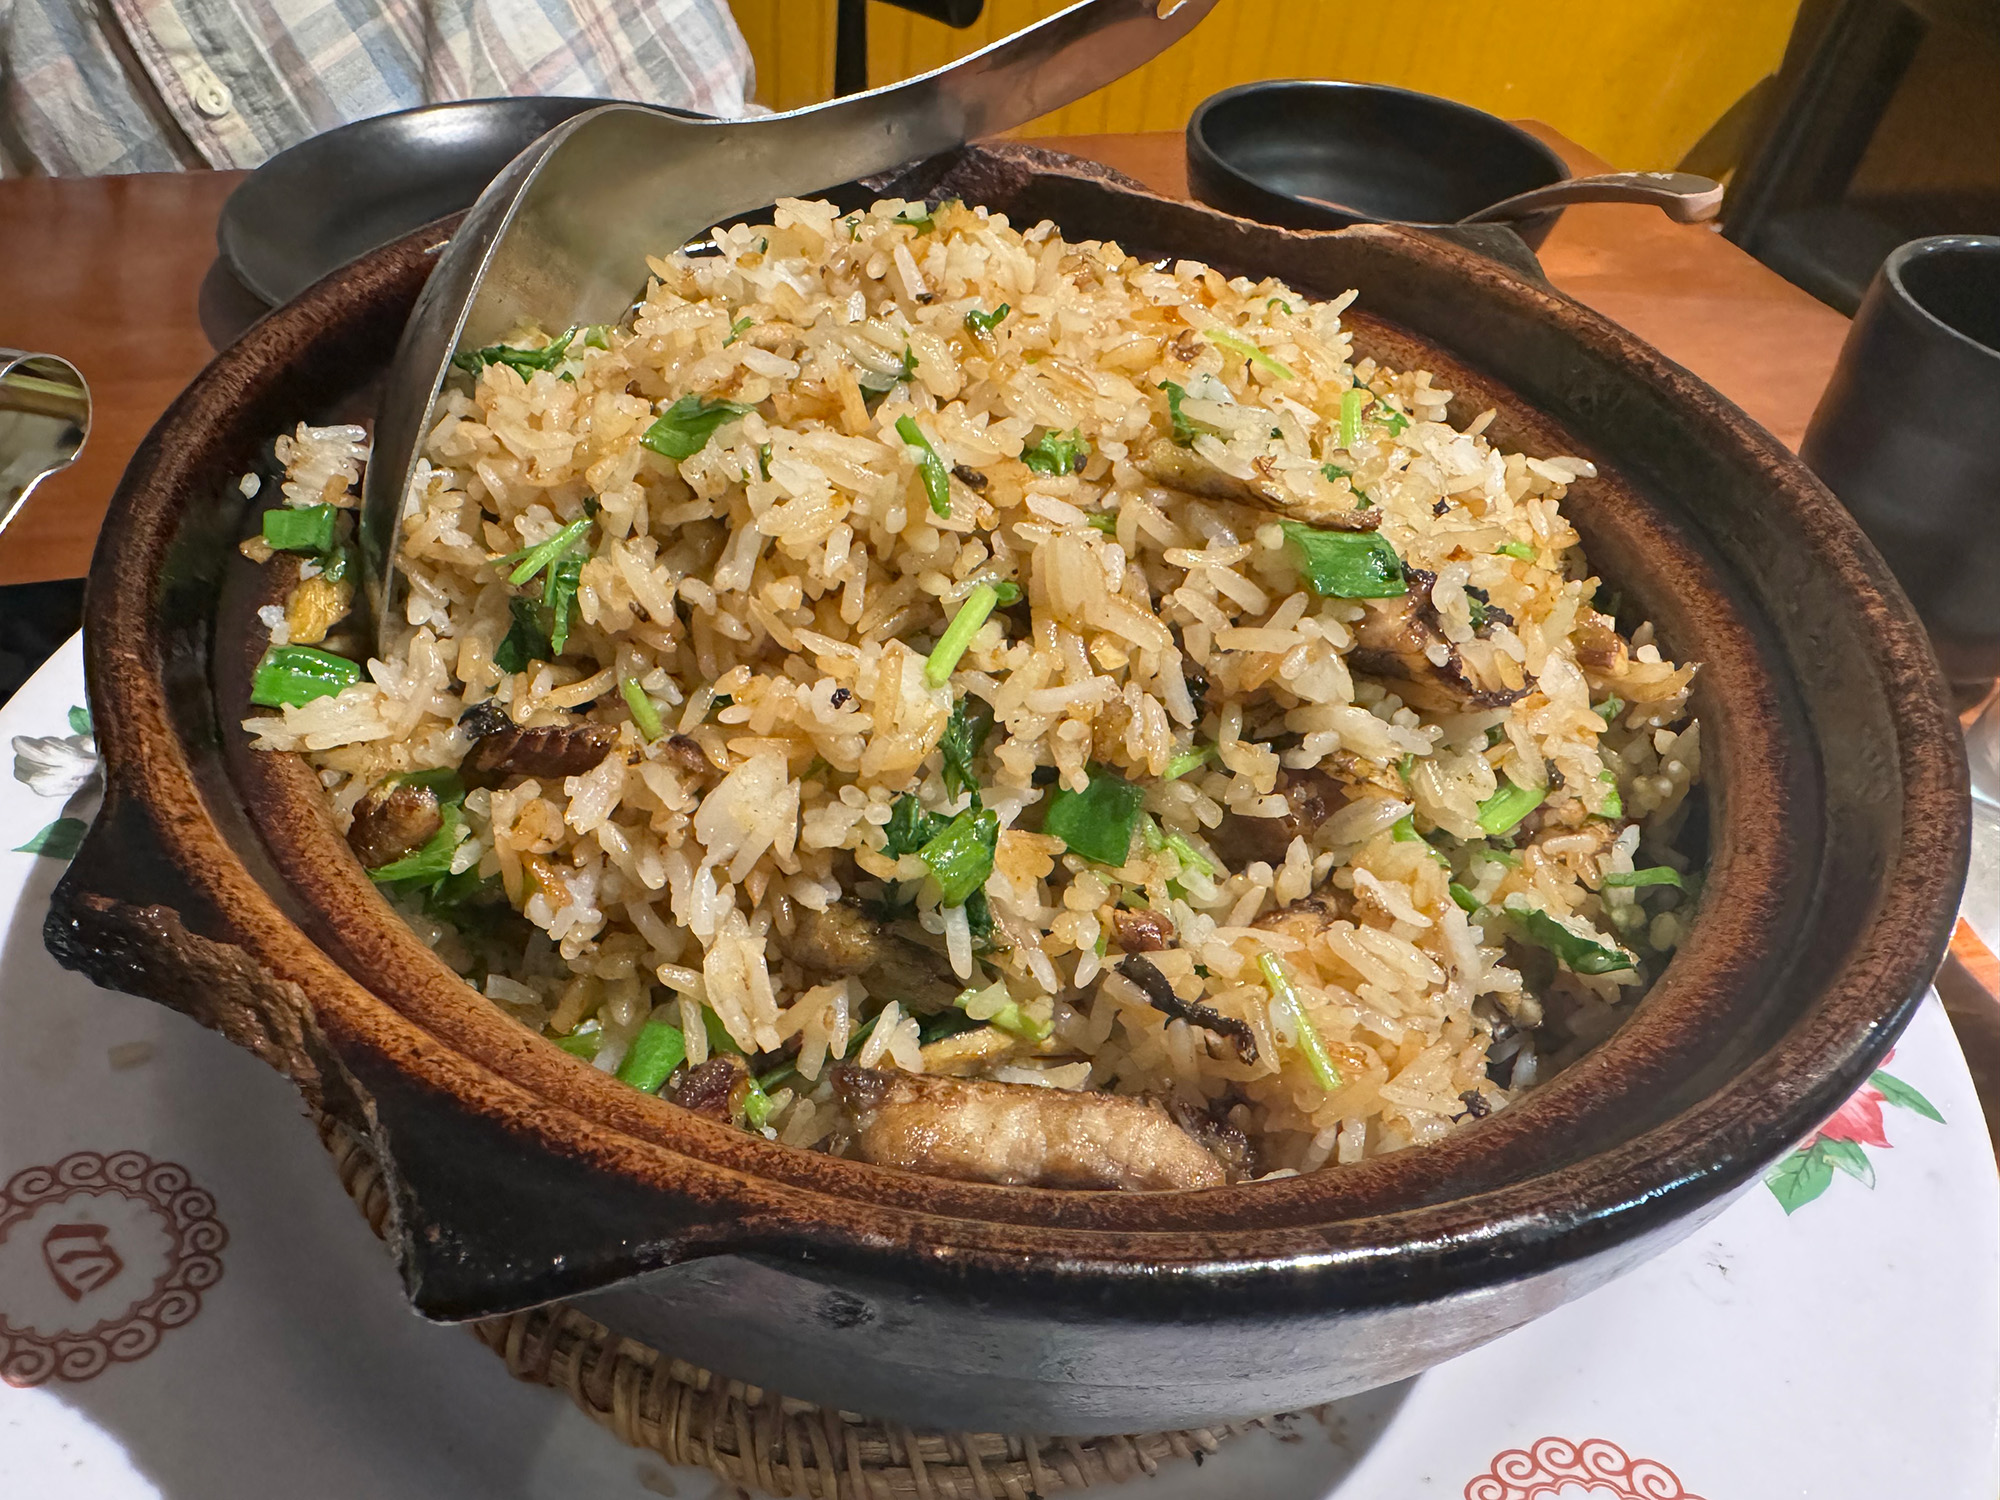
1908	436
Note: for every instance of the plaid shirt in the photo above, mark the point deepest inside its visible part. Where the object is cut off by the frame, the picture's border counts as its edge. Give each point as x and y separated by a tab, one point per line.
95	86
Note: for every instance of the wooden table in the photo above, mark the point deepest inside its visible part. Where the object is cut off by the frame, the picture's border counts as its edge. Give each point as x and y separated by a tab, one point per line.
109	272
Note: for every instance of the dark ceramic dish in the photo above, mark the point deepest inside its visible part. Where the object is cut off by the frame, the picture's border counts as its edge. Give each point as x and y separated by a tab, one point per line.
1265	150
215	882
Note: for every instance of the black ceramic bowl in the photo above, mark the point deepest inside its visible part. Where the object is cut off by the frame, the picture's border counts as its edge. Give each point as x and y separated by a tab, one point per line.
216	881
1265	150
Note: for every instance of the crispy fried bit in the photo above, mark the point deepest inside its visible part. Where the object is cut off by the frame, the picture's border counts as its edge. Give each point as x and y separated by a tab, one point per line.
684	753
1018	1134
1183	469
1159	993
1224	1141
845	942
1401	639
1308	917
547	752
1600	650
710	1088
394	819
1312	796
1142	931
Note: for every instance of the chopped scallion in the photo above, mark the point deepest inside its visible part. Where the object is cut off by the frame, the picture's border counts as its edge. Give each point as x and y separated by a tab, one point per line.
961	857
1525	551
531	560
951	646
1283	995
1187	761
523	362
433	860
986	322
1657	875
1578	954
1186	428
1096	822
1346	564
737	329
1466	901
291	676
644	715
935	472
1350	417
1613	805
1502	812
911	826
684	428
964	735
998	1009
306	529
654	1054
1057	453
1222	338
582	1043
1609	709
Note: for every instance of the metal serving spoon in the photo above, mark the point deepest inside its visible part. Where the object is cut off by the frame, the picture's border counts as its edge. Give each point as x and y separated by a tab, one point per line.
1682	196
561	236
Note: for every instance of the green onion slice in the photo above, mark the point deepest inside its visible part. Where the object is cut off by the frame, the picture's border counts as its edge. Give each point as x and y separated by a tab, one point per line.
1578	954
961	857
291	676
1657	875
986	322
936	475
1350	417
1222	338
684	428
1283	994
306	529
1346	564
433	860
644	715
951	646
1057	453
1098	821
1187	761
654	1054
1502	812
1525	551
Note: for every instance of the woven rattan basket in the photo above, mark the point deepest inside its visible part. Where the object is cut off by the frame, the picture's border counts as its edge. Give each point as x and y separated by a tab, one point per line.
758	1440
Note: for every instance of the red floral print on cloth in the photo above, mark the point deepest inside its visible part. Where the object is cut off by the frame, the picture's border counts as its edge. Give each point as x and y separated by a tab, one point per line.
1594	1469
1839	1144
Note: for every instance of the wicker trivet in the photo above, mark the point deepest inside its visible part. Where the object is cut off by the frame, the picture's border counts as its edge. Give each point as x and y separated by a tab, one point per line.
759	1440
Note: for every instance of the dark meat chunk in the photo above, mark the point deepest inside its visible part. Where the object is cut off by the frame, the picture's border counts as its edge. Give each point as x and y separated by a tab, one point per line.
1142	931
483	719
1218	1136
394	819
710	1088
1312	796
845	942
684	753
547	753
1600	649
1018	1134
1183	469
1476	1107
968	476
1159	993
1394	640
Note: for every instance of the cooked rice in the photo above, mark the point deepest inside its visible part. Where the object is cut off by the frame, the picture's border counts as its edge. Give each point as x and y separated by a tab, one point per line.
793	567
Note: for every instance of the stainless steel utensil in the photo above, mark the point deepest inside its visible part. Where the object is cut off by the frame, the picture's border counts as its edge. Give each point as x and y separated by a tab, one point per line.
1681	196
561	236
44	419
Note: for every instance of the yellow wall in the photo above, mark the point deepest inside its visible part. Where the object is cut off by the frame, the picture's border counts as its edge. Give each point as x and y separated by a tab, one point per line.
1636	81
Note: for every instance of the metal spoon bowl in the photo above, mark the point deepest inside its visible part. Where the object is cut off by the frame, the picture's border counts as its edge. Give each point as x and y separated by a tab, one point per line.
560	237
1681	196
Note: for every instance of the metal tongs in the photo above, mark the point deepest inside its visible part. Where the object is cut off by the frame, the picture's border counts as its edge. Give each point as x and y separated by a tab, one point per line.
560	238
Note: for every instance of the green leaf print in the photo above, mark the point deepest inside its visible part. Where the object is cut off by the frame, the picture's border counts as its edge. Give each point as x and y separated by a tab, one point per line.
1801	1177
1900	1094
57	841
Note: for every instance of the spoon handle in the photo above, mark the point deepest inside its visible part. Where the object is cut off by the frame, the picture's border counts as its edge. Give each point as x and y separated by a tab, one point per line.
1682	196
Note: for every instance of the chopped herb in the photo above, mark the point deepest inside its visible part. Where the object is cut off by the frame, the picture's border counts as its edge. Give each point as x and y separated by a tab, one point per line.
1465	899
910	827
1657	875
531	560
985	322
684	428
1186	428
763	243
654	1054
291	676
946	1023
1350	417
1613	805
1494	735
1404	831
757	1105
558	595
1279	302
1222	338
719	1039
598	336
1578	954
306	529
936	476
951	646
1479	611
918	218
1346	564
1283	996
737	329
583	1042
1525	551
979	921
1009	592
964	735
433	860
79	719
1390	417
1055	453
1096	822
526	640
1609	709
719	702
523	362
1002	1011
853	223
644	715
961	857
1502	812
763	460
1187	761
1404	767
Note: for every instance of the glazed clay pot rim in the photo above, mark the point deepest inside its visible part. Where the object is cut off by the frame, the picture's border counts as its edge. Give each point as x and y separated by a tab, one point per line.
1904	255
1837	1050
1222	162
